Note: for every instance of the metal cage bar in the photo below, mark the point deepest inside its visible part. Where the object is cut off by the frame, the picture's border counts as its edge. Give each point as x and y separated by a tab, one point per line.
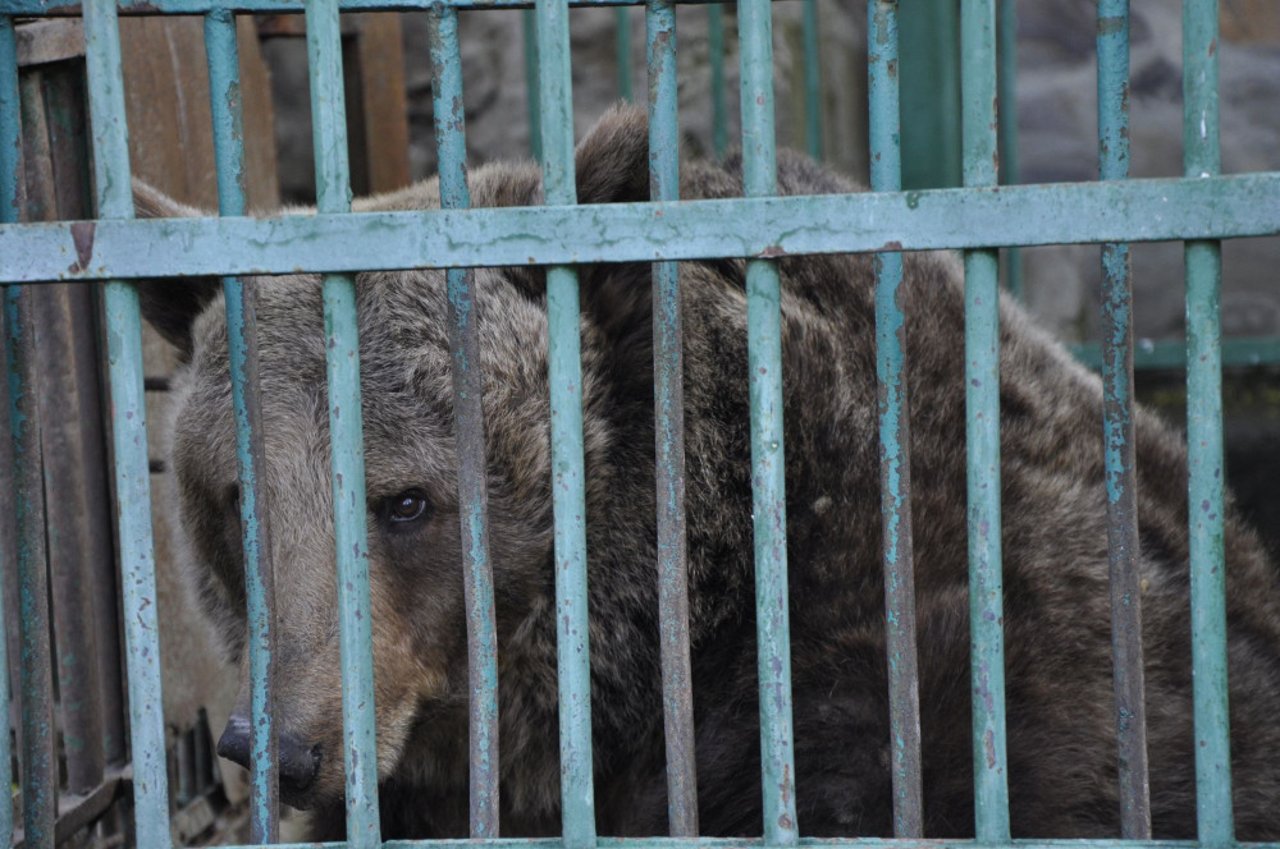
10	203
342	356
768	465
129	436
622	46
1130	211
222	54
715	50
894	427
1202	159
982	397
468	386
668	393
812	76
1118	435
577	792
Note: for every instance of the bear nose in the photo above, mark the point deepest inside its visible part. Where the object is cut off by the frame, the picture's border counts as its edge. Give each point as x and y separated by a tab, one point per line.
298	762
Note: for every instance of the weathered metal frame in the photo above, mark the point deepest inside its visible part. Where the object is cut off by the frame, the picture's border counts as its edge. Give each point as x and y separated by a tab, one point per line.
1200	208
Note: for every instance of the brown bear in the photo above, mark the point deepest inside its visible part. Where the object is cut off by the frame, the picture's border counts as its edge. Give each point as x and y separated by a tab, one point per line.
1062	750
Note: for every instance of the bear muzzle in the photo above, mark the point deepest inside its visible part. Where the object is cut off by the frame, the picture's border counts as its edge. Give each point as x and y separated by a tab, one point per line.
299	762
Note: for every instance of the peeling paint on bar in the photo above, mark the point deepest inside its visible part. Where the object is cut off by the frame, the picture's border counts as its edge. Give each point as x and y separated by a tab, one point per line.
768	454
468	384
342	357
577	790
1118	435
1129	211
132	472
982	405
240	297
895	460
1202	159
668	392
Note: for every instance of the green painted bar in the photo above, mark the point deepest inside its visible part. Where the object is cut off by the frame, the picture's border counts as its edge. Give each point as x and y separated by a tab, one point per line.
895	460
768	453
468	386
929	48
719	109
812	79
622	23
1007	47
342	357
1124	211
129	437
222	53
529	22
1118	435
10	206
1202	159
39	766
1237	352
668	393
982	404
577	792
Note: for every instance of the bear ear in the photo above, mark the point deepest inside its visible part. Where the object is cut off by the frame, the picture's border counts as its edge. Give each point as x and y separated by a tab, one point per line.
613	160
171	305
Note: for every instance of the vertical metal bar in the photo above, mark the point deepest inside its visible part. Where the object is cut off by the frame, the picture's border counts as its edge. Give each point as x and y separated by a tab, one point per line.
668	393
622	24
346	435
1202	158
577	790
982	397
468	384
67	538
895	459
1007	46
764	358
1118	435
812	79
719	110
132	474
223	58
930	93
39	768
529	21
10	207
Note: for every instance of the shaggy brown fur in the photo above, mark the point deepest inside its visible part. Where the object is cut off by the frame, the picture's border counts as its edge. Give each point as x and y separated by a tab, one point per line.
1062	754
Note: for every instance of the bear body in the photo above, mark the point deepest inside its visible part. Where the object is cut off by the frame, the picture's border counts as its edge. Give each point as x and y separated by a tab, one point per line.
1062	750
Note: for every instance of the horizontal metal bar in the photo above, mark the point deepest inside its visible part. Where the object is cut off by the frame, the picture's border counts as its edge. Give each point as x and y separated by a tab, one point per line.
758	843
1172	353
1128	211
64	8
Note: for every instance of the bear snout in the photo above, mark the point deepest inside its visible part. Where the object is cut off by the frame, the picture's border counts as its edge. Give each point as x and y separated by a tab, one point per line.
299	761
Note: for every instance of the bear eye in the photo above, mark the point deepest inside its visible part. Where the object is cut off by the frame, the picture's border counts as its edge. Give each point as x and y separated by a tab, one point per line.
408	506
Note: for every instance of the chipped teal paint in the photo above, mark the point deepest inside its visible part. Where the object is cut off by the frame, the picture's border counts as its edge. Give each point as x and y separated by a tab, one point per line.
1130	211
39	774
468	384
228	144
812	79
895	461
719	110
768	464
577	791
1202	159
668	393
1118	435
134	539
342	367
622	47
982	406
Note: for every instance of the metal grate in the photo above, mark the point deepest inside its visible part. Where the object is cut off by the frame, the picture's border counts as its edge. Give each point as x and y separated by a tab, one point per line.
979	218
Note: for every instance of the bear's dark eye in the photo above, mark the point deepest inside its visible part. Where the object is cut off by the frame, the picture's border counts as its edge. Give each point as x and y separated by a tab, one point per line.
408	506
